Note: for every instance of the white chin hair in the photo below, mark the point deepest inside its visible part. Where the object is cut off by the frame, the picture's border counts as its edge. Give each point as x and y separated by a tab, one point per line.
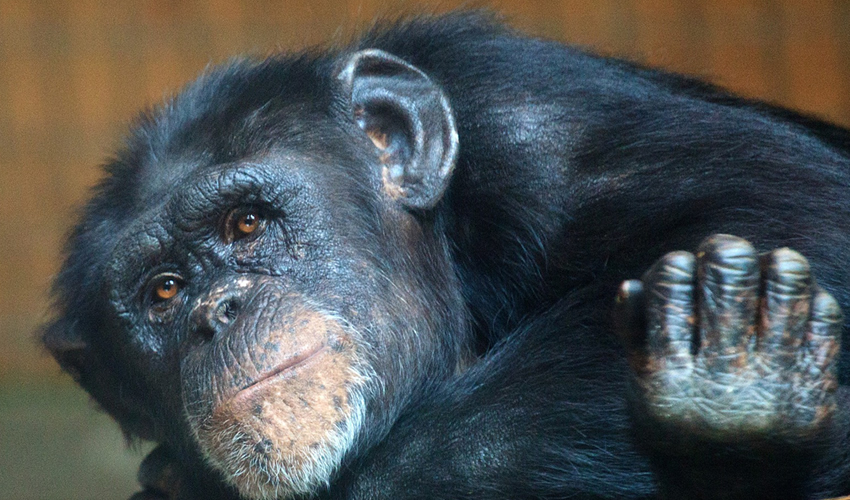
272	475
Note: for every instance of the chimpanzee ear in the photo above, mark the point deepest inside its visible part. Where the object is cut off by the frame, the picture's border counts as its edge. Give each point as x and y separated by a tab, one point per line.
408	119
66	344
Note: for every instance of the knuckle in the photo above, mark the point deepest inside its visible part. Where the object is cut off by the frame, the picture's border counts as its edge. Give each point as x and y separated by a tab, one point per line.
788	266
727	247
678	266
826	308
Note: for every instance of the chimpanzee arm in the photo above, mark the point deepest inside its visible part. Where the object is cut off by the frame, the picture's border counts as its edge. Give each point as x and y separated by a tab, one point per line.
542	417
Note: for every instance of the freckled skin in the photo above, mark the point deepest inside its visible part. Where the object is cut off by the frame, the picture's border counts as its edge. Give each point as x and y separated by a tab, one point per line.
295	413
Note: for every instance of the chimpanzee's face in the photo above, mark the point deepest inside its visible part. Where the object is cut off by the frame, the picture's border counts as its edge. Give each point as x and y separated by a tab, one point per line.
251	273
269	310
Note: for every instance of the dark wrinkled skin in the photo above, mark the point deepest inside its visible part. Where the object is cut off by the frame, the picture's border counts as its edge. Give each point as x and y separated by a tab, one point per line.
448	210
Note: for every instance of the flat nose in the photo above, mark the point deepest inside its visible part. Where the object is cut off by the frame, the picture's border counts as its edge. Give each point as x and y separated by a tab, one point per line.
216	313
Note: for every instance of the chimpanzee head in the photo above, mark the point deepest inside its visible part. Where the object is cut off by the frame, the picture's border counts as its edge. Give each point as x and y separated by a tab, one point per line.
261	278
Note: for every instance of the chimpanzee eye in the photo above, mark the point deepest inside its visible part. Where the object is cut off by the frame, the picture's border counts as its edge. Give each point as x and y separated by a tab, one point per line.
243	222
166	287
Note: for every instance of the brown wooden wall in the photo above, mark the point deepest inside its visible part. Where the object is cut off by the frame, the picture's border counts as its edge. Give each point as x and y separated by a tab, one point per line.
72	72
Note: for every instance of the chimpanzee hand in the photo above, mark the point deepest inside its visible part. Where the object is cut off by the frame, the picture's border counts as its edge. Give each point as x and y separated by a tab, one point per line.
160	476
733	355
164	477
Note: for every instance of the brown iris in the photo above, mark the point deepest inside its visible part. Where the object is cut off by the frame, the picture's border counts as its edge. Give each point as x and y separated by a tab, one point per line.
166	289
247	223
243	223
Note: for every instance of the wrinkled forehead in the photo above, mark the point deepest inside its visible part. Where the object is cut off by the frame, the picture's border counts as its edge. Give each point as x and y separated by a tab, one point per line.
185	160
174	200
208	159
205	128
185	192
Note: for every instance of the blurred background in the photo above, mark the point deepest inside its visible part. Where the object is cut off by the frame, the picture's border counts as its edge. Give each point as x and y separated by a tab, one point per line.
73	73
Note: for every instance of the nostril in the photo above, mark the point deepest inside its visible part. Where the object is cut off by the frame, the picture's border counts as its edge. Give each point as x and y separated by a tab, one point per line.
214	315
227	311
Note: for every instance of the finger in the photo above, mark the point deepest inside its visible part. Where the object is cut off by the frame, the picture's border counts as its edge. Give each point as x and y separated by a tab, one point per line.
629	317
785	304
824	335
728	273
670	310
158	473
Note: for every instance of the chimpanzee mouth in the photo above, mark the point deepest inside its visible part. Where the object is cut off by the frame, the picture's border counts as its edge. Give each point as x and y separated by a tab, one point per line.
281	369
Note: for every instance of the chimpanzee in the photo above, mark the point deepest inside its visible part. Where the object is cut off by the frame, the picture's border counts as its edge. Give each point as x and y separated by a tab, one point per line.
388	270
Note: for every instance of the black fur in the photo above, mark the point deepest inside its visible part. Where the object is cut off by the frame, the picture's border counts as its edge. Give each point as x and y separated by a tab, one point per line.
574	173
